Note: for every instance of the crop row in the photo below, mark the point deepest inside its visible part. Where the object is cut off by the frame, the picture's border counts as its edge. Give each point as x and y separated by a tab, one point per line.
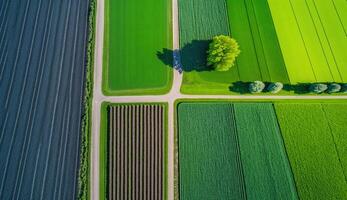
224	152
135	155
42	50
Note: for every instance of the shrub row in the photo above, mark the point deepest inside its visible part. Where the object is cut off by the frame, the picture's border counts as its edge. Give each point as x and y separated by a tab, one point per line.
83	174
259	86
317	88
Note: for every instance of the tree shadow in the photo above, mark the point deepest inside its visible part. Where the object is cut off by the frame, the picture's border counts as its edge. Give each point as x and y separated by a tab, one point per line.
299	88
166	56
192	57
239	87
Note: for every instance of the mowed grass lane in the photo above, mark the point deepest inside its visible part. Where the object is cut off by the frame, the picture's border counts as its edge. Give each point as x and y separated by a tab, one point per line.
312	152
312	39
135	31
209	158
266	168
261	58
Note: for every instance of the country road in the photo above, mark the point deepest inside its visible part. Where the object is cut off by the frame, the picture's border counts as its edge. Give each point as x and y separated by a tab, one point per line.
170	98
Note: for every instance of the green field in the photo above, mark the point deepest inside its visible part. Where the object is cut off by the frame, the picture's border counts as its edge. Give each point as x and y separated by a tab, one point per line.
313	39
230	151
250	23
313	153
135	32
209	160
266	167
335	115
290	41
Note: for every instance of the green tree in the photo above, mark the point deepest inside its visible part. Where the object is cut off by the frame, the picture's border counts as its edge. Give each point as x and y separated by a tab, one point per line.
275	87
222	53
334	88
256	87
344	88
318	88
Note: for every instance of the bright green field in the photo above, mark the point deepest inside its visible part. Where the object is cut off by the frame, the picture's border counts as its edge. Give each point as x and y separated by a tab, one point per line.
209	160
335	115
250	23
266	167
313	38
313	153
230	151
135	31
291	41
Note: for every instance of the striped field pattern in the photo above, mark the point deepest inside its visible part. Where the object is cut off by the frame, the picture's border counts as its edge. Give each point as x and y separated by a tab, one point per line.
135	159
43	46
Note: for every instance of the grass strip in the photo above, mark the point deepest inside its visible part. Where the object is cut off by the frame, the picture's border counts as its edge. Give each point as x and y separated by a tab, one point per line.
209	157
311	150
84	168
265	164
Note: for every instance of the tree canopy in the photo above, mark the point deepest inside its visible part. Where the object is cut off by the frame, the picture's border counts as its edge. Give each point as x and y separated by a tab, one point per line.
222	53
318	88
256	87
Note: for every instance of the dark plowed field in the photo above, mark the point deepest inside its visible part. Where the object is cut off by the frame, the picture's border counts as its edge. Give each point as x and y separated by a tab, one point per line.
42	68
135	162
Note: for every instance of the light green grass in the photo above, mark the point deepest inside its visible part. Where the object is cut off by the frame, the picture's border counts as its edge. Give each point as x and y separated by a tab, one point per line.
335	32
336	117
294	51
250	24
265	164
311	149
312	39
103	147
135	31
341	7
209	162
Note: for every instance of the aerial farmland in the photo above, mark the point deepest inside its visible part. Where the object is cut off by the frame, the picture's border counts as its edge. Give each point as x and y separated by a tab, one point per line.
43	59
173	99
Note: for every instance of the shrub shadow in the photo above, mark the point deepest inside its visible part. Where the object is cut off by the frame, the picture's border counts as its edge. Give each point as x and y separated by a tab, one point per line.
299	88
239	87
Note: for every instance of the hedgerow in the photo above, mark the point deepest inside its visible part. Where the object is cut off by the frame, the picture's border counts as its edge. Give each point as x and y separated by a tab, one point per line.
83	176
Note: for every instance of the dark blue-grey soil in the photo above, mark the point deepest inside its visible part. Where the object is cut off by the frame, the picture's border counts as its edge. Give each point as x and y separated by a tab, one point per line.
42	72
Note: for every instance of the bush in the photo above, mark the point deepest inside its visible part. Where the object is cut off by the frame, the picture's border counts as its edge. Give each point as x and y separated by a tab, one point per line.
256	87
275	87
344	88
334	87
222	53
318	88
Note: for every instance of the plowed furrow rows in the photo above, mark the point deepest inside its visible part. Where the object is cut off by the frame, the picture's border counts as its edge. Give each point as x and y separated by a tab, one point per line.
135	162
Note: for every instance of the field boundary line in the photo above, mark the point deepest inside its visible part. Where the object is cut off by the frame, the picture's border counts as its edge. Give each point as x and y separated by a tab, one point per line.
302	39
320	41
327	38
